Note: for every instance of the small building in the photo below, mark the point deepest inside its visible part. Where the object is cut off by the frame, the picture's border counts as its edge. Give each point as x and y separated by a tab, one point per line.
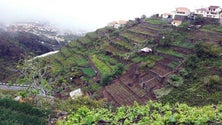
76	93
202	12
176	22
167	17
213	12
112	24
146	50
182	11
116	24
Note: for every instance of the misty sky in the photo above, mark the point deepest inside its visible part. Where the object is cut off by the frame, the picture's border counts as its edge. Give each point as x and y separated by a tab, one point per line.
89	14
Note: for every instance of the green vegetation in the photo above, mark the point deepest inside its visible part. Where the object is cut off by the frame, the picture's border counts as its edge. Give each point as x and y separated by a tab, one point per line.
170	52
173	64
152	113
201	80
88	71
214	28
156	21
95	62
15	113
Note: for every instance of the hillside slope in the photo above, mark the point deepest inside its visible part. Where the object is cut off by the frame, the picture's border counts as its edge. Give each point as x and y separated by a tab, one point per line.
108	63
14	46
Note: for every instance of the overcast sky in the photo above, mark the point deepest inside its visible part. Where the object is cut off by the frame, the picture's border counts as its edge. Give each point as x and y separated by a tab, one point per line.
90	14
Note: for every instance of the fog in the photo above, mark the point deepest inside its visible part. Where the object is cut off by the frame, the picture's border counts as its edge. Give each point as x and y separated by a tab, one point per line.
88	15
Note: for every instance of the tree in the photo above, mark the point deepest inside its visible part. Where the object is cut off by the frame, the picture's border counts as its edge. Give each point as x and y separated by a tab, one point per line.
34	75
167	39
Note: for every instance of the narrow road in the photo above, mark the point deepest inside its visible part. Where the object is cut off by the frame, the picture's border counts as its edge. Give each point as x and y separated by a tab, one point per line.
12	88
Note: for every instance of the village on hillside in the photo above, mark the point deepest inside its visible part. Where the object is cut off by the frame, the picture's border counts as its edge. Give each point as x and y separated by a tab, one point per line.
181	14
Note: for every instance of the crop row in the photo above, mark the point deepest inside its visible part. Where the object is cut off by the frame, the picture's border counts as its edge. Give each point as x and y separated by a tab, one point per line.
161	69
134	37
142	31
102	67
121	94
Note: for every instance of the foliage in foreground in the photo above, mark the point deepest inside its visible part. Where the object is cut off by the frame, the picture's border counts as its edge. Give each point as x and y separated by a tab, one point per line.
151	113
15	113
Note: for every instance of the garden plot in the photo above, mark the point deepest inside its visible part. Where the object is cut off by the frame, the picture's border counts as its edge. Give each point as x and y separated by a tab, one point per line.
181	50
134	37
171	53
161	70
103	67
151	26
109	48
144	30
121	94
147	77
151	85
121	44
132	84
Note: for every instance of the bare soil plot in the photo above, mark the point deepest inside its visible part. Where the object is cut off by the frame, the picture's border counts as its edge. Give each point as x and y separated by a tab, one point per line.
161	70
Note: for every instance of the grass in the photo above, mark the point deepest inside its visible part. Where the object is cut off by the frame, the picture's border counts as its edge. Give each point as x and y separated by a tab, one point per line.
82	62
109	60
102	66
88	71
156	21
133	37
146	58
170	52
123	44
184	44
163	91
84	40
214	28
92	35
141	31
174	64
66	51
115	51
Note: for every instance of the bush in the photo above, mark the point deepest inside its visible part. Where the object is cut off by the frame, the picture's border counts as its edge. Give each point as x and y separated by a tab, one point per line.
208	50
175	81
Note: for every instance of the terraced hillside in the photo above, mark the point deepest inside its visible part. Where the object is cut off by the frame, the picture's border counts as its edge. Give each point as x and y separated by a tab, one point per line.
108	63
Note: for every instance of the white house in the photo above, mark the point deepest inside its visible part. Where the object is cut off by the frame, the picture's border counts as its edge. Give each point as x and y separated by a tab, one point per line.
182	11
213	12
116	24
181	14
202	12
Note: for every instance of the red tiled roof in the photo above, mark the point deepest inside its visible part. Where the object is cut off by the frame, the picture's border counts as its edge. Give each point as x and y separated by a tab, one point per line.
182	9
176	21
122	22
